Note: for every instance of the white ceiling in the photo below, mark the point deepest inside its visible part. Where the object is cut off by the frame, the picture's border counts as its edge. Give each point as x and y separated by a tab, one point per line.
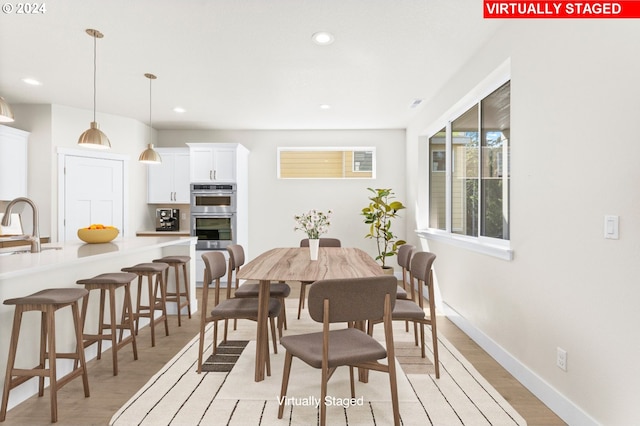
242	64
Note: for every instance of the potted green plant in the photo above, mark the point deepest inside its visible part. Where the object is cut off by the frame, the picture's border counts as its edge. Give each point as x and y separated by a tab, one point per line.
378	214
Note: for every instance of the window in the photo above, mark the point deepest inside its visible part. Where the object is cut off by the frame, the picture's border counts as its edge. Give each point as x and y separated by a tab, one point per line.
469	170
438	181
326	163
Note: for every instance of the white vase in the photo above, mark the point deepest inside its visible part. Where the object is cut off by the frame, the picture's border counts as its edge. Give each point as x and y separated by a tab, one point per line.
314	244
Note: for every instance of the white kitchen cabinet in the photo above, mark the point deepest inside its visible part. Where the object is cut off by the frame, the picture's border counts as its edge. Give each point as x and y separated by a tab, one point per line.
168	182
13	163
213	162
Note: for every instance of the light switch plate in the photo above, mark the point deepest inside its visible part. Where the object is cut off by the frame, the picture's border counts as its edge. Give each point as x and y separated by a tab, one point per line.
611	227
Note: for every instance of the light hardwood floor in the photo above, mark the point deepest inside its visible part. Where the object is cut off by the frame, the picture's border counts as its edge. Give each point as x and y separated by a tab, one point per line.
109	393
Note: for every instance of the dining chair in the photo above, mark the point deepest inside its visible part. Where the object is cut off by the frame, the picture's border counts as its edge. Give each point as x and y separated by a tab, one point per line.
405	252
277	290
324	242
340	301
408	310
233	308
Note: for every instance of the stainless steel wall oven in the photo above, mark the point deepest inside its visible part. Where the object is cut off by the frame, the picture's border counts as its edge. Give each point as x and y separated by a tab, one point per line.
213	198
214	231
213	215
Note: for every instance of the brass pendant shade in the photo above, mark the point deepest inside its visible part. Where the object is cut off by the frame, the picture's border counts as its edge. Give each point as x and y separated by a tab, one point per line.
94	137
149	155
6	115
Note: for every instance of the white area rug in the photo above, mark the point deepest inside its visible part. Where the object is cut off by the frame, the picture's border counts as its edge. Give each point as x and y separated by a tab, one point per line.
177	395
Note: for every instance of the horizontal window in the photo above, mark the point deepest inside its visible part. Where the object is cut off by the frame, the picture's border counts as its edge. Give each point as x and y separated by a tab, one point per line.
326	163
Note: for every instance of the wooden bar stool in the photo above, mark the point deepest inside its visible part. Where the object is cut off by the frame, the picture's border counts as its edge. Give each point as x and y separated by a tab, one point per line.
151	270
176	262
110	282
47	302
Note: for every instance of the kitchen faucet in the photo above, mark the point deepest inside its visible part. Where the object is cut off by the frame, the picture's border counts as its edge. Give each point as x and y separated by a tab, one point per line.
34	239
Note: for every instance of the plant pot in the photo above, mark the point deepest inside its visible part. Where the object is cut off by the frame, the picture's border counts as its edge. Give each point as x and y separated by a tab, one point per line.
314	244
387	270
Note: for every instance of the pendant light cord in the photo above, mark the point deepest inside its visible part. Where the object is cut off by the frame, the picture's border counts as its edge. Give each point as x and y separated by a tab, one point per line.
150	103
94	77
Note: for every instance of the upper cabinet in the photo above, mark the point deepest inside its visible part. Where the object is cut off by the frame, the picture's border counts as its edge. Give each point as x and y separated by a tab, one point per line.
13	163
168	182
213	162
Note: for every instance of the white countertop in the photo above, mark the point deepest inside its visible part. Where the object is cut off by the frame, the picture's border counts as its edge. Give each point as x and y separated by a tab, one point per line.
162	233
77	252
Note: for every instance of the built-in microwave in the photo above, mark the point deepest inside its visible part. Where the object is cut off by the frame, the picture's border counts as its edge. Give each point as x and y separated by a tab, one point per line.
213	198
215	231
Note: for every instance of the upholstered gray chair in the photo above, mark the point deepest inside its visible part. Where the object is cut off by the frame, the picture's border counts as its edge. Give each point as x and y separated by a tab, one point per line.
405	252
234	308
341	301
324	242
408	310
278	290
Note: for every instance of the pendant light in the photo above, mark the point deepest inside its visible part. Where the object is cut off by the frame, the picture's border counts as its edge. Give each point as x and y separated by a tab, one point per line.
93	137
6	115
149	156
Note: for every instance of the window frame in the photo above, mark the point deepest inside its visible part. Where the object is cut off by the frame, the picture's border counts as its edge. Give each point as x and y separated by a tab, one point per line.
496	247
351	165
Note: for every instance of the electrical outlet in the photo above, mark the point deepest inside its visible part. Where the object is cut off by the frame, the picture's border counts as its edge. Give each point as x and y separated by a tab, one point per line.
561	359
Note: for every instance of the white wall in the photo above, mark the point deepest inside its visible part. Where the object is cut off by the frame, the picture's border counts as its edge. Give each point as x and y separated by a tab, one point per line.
36	119
274	202
574	91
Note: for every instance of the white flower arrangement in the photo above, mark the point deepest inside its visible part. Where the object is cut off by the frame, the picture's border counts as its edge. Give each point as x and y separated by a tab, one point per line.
314	223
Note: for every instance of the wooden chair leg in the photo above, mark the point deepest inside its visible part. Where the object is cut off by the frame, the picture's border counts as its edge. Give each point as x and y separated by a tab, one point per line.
15	332
127	320
323	394
215	337
285	382
80	348
53	380
302	297
152	302
136	315
185	282
43	350
273	335
114	334
201	342
163	302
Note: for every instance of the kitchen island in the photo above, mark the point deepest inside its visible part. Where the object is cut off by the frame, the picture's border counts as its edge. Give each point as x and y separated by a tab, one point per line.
61	265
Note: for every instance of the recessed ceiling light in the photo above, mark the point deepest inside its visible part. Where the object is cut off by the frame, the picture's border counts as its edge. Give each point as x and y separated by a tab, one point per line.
179	110
325	106
31	81
322	38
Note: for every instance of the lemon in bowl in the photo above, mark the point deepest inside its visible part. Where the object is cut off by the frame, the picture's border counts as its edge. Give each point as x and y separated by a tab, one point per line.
97	234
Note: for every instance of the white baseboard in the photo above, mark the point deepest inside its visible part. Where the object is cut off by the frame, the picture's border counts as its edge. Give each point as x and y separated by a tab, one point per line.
566	409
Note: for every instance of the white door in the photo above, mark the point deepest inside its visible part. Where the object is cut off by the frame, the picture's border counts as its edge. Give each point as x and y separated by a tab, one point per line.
93	193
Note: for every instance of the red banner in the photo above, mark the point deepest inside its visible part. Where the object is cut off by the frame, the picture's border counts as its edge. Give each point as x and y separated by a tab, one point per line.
500	9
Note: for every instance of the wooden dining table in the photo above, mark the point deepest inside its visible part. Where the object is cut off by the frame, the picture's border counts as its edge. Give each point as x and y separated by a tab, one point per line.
295	264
